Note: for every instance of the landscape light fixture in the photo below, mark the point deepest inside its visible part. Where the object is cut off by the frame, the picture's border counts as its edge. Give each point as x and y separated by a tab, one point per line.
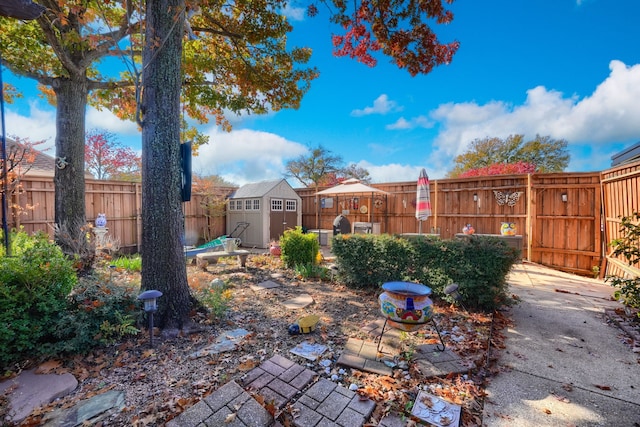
564	198
150	306
475	197
452	291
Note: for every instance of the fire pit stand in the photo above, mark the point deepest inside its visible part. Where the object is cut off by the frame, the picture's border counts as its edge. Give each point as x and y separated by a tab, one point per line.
407	306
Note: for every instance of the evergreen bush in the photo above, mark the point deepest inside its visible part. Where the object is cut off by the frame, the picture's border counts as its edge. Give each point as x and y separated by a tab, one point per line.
299	248
98	312
34	285
478	265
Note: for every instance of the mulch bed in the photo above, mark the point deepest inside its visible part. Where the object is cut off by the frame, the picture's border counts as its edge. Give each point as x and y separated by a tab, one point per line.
162	382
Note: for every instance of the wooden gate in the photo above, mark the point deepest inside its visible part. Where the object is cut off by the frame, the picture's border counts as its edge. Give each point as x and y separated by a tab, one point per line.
565	211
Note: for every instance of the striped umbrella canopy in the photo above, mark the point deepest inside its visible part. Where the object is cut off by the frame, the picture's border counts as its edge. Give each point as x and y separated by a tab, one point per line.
423	199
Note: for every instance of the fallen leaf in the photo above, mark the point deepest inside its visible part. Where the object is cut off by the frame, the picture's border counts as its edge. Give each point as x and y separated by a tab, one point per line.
48	367
561	398
567	387
230	418
547	411
603	387
247	365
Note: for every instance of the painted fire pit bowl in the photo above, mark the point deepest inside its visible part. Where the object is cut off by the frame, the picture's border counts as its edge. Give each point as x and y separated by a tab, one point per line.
406	305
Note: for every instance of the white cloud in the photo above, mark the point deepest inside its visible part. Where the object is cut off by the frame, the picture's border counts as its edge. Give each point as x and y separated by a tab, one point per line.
381	105
108	121
610	113
243	156
294	13
402	123
40	125
395	172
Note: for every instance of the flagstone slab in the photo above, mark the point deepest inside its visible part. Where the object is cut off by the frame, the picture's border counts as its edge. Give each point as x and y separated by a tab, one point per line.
267	284
298	302
34	390
226	341
87	411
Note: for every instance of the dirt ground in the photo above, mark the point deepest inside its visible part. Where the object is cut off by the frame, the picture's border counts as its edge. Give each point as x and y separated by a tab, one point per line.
162	382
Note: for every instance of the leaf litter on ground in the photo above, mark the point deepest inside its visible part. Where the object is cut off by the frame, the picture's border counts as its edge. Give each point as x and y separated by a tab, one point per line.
161	383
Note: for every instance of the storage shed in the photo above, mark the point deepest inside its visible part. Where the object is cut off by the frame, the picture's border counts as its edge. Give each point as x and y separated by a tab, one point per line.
269	208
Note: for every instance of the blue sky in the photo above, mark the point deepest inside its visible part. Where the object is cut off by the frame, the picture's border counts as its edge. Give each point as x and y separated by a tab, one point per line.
569	69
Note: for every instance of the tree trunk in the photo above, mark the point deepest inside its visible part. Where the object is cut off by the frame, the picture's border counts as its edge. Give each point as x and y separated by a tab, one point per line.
163	265
71	100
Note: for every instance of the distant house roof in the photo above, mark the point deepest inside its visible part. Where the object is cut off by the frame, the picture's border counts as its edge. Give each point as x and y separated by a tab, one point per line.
627	155
257	189
43	164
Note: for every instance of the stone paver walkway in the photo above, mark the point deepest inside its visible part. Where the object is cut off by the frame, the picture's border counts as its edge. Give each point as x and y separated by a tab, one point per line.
364	355
278	381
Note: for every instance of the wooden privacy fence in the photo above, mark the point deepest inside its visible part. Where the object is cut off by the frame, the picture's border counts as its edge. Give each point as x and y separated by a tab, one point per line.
621	197
558	215
33	209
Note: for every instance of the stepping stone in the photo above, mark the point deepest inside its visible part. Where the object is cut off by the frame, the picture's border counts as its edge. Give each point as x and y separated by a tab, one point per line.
308	350
226	341
434	363
34	390
439	412
298	302
88	411
268	284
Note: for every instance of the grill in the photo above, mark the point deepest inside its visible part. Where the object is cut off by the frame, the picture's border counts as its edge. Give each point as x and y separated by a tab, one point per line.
362	228
366	228
341	225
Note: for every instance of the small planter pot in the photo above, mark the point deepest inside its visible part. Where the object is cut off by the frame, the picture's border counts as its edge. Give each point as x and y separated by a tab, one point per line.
275	250
508	228
406	306
468	229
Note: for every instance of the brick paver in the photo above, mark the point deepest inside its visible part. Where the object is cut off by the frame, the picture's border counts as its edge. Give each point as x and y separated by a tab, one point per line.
328	404
278	381
230	405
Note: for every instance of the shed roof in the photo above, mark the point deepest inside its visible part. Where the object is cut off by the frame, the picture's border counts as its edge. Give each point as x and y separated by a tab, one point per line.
627	155
256	189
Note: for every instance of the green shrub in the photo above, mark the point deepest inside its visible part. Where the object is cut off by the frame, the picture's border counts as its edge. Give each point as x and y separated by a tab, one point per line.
299	248
215	298
482	271
629	247
130	263
479	265
368	261
309	271
34	285
99	312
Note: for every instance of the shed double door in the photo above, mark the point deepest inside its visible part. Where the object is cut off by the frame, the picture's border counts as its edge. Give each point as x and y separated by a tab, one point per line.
283	216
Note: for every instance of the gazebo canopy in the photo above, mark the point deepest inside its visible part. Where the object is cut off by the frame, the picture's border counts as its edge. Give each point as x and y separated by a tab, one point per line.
350	186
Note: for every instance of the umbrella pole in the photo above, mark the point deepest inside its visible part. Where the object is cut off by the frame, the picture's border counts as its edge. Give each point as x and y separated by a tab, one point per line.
419	227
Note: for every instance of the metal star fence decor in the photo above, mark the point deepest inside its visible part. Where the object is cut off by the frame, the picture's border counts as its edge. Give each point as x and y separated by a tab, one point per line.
507	198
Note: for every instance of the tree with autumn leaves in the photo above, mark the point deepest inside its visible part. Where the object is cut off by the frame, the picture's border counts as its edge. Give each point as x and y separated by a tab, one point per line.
105	158
497	156
223	70
234	59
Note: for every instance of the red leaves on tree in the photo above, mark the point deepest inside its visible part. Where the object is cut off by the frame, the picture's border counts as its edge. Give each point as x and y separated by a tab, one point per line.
106	159
399	30
500	169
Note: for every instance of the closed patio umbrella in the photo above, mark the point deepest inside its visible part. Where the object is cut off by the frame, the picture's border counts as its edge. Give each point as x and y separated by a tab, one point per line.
423	199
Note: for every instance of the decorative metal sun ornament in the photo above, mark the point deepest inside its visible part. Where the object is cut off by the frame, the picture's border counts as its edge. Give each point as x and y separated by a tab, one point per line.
507	198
